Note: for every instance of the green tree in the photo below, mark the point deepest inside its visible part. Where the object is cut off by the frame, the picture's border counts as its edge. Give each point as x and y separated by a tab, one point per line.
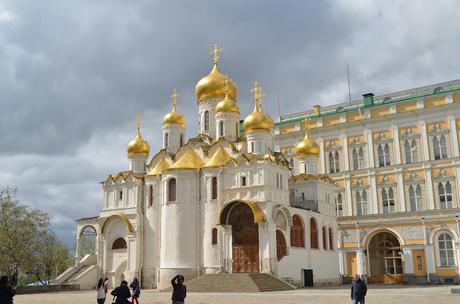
20	229
52	257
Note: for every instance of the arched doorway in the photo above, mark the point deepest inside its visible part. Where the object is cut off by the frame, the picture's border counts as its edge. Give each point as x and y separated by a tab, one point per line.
87	241
281	247
245	236
385	259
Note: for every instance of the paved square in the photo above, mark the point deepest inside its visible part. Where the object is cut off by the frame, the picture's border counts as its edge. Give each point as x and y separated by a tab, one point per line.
376	294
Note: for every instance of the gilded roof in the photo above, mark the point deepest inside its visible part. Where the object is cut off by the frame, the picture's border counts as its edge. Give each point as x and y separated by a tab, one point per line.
220	158
189	160
161	166
323	177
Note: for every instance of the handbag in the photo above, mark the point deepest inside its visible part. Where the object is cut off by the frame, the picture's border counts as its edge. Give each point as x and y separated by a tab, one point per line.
114	299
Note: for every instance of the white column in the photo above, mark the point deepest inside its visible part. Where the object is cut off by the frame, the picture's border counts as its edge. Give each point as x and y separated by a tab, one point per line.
361	260
267	248
322	161
424	141
396	145
402	197
429	256
457	249
370	148
342	262
77	251
346	160
429	189
457	179
453	136
408	261
349	197
373	200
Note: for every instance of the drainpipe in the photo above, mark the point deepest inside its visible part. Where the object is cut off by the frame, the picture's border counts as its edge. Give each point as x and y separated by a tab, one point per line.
424	238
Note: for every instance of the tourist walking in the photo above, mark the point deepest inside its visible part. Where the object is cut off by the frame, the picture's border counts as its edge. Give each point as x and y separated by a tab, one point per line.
179	290
100	292
106	285
6	292
136	290
121	293
358	290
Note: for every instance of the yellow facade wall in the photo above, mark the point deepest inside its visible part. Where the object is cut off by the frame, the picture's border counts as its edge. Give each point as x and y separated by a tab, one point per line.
382	111
456	97
352	265
406	107
287	129
332	120
354	116
434	101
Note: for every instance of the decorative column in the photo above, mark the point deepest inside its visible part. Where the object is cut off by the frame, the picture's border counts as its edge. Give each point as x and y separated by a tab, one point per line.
396	144
322	161
408	264
373	200
453	136
342	262
77	251
361	261
430	264
370	148
227	250
346	160
424	141
267	248
402	197
348	195
429	187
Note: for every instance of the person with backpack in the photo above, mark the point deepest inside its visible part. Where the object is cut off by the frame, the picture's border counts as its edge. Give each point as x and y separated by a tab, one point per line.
179	290
6	292
100	292
122	293
358	290
136	291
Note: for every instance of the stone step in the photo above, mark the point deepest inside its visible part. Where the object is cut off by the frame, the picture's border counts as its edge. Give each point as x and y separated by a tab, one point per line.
237	282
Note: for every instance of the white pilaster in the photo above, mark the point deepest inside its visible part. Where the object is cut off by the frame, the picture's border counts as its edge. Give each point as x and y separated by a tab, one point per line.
429	256
424	141
346	160
373	200
408	261
429	188
370	148
402	197
453	136
396	144
349	200
322	161
361	260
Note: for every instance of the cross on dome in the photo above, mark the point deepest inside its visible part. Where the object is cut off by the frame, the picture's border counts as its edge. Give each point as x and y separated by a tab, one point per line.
174	96
215	52
226	84
138	120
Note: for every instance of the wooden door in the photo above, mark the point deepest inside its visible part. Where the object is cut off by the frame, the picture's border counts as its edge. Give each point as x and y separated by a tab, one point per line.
419	261
245	258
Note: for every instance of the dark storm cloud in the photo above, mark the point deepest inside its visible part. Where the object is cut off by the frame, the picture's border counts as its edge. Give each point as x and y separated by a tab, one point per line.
74	73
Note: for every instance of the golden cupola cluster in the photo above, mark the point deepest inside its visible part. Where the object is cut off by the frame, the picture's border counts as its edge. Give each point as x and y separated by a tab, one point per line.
138	146
227	105
258	120
174	117
213	84
307	147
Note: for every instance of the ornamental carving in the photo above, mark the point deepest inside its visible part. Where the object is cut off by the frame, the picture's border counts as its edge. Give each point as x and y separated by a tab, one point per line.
412	233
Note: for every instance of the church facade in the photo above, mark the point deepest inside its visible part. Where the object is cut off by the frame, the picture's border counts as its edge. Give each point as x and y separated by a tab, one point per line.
223	201
396	161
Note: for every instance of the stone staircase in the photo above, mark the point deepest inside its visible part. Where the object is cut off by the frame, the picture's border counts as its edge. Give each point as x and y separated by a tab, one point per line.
237	282
76	274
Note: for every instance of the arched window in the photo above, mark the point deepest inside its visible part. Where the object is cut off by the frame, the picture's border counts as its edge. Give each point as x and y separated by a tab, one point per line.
297	232
410	149
415	198
361	202
445	195
119	243
388	200
281	247
331	239
331	162
355	159
214	236
336	161
181	139
166	139
446	250
221	128
313	234
214	187
384	155
440	147
206	121
236	130
324	238
252	147
358	158
150	195
172	190
339	204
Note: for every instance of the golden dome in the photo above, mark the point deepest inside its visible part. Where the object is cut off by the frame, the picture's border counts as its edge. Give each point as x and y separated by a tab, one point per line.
138	146
258	120
213	85
307	147
227	105
174	117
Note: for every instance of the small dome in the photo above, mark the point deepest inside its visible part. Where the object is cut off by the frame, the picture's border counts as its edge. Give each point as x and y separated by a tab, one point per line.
258	120
174	117
138	146
227	106
307	147
213	85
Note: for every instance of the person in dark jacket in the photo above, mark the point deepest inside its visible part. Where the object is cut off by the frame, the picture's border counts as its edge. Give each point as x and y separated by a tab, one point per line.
122	293
6	292
358	290
179	290
136	290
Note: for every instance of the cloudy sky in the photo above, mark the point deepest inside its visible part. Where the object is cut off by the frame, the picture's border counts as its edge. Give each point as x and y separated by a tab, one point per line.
74	73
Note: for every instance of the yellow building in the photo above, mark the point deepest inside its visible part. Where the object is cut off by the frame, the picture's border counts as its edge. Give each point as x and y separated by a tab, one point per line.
396	161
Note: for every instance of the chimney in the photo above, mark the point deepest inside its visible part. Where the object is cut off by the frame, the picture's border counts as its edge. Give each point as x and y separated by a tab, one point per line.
317	110
368	99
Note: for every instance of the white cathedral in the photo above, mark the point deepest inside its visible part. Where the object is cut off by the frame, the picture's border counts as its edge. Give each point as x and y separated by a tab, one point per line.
224	201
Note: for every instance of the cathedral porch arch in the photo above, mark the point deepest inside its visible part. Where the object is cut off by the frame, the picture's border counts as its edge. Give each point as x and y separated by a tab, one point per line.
258	214
370	235
121	216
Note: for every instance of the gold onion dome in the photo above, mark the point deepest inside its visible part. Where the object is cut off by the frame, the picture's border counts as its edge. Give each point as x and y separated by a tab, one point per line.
227	105
138	146
307	147
174	117
258	120
212	85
